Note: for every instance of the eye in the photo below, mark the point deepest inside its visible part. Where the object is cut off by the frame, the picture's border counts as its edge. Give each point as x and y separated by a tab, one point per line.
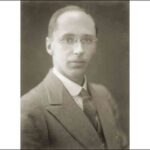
88	40
69	40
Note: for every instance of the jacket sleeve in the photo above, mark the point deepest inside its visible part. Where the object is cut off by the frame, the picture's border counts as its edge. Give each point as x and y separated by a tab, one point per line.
33	127
122	136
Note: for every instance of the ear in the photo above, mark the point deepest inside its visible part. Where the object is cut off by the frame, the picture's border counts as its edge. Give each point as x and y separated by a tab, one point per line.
48	46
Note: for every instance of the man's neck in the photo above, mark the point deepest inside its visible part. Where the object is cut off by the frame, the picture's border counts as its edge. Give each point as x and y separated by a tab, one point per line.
78	80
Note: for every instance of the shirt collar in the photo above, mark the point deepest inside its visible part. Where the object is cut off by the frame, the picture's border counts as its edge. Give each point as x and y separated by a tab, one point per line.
73	88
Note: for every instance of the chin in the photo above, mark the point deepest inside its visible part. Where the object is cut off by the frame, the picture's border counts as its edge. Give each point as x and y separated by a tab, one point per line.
77	73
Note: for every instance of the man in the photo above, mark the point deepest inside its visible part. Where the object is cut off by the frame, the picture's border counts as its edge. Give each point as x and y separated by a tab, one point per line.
64	110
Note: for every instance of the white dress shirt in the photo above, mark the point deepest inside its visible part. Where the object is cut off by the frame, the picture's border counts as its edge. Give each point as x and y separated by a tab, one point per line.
73	88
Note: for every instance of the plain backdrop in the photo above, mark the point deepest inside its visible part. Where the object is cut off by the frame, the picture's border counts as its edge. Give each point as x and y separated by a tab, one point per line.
110	65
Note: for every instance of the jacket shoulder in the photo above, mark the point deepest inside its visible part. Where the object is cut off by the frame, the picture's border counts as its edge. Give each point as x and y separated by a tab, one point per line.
33	123
102	92
32	110
32	99
101	89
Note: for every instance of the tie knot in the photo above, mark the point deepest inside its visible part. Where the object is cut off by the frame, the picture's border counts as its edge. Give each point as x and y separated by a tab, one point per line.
84	94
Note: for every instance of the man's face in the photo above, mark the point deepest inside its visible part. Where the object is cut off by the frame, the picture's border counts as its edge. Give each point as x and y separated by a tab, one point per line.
73	44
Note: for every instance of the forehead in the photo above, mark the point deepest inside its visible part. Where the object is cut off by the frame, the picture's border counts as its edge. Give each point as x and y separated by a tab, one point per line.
75	22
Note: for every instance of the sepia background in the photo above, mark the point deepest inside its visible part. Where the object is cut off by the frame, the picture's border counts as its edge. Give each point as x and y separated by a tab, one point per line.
110	65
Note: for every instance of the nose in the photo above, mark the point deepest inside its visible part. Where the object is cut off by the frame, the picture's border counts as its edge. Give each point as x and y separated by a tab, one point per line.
78	49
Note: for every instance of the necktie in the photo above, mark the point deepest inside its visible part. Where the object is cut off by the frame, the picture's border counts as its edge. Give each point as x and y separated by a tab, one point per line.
91	113
90	110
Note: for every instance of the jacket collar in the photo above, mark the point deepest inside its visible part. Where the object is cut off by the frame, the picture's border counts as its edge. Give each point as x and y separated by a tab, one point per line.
54	88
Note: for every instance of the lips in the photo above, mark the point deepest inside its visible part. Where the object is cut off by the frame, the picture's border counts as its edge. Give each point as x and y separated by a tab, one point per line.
77	62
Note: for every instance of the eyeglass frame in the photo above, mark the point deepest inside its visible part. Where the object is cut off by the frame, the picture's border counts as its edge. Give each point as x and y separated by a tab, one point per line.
76	39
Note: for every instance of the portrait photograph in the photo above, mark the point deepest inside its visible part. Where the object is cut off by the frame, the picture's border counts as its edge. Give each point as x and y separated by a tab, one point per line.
75	75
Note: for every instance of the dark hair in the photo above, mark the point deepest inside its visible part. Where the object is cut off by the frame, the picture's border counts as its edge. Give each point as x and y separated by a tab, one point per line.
53	20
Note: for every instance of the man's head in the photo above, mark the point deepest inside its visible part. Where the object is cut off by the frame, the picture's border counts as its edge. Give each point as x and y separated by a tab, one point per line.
71	41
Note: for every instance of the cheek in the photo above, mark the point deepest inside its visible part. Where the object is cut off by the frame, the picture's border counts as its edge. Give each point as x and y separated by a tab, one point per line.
91	53
57	50
60	53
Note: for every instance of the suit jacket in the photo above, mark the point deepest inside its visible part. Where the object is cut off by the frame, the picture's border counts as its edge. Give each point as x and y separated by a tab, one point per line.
51	119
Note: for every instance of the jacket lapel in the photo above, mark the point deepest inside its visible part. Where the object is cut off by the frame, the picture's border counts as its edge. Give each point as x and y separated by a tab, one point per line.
106	117
63	107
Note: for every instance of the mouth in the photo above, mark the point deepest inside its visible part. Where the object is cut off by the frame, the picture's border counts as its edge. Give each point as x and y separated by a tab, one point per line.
78	63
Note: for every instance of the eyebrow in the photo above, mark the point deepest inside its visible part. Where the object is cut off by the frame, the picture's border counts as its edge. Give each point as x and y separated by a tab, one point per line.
71	34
